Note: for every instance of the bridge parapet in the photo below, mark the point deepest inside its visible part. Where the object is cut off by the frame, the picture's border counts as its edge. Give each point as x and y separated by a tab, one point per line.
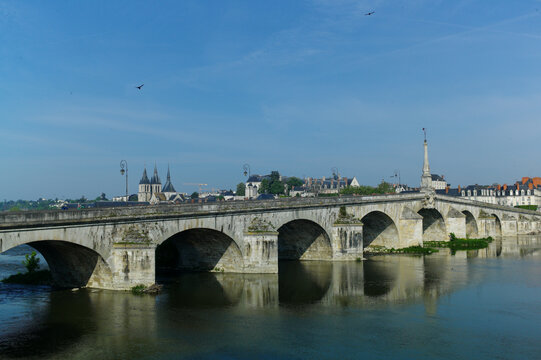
118	214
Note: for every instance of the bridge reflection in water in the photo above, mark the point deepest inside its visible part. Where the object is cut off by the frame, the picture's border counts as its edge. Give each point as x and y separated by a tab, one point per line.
224	306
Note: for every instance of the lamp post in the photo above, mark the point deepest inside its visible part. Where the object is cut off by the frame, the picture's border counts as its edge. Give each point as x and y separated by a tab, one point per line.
246	169
124	169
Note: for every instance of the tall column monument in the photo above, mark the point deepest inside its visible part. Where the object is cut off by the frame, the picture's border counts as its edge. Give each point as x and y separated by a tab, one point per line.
426	178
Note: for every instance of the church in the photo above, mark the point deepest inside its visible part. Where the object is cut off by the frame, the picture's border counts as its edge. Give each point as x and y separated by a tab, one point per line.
151	190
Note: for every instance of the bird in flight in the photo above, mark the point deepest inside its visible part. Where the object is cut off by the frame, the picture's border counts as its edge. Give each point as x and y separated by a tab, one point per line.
369	13
140	86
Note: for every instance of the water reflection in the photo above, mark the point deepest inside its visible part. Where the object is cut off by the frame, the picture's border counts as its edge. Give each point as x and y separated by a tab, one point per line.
39	322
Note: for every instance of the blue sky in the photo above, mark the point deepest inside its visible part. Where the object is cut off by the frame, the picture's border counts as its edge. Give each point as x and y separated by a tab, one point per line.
294	86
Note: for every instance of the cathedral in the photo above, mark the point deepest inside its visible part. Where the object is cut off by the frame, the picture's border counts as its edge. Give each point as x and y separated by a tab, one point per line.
152	191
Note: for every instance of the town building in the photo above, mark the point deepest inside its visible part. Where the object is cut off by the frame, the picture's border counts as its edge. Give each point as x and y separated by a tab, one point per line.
524	192
438	182
251	190
331	185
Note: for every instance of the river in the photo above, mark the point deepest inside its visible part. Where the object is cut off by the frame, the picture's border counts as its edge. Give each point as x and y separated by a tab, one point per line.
483	304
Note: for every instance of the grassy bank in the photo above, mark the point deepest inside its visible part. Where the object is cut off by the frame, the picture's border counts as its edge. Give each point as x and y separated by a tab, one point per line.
412	250
460	244
40	277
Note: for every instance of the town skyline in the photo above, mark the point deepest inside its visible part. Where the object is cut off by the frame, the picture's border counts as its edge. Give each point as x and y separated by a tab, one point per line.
295	87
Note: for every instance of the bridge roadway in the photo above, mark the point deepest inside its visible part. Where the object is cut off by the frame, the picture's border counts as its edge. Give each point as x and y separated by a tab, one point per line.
117	248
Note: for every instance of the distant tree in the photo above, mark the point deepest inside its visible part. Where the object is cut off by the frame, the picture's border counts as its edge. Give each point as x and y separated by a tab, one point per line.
276	187
102	197
82	199
195	195
274	176
384	188
264	188
294	181
241	189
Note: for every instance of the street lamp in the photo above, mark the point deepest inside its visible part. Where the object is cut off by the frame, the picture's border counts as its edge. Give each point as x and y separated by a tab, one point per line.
124	165
246	169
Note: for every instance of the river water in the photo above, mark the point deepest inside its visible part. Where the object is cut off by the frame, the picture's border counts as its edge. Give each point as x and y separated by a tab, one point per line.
483	304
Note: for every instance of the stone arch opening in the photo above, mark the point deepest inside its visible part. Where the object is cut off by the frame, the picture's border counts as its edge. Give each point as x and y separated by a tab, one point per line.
303	240
471	225
379	229
497	228
73	265
198	250
434	228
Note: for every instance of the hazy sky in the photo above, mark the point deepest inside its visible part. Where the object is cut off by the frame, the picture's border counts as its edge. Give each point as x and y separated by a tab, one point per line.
294	86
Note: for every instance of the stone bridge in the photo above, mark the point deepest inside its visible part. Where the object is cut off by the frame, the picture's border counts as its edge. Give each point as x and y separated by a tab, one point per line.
117	248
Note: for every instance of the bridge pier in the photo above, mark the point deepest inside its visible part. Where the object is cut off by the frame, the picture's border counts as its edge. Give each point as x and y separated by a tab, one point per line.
456	223
261	252
509	226
525	225
411	228
347	241
132	265
489	226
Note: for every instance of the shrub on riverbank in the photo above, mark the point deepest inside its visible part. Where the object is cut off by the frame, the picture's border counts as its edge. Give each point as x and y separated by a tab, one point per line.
411	250
143	289
460	244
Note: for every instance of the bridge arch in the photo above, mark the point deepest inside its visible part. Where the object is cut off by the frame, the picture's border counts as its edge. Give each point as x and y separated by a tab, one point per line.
472	230
434	228
379	229
303	239
198	250
497	228
73	265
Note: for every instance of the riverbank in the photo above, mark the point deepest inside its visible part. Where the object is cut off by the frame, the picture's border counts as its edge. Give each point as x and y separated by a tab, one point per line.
39	277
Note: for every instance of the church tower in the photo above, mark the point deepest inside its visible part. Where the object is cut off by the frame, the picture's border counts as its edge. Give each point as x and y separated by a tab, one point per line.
155	182
426	178
144	188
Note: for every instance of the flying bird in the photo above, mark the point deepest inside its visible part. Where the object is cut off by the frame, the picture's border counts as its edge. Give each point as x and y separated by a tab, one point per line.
369	13
140	86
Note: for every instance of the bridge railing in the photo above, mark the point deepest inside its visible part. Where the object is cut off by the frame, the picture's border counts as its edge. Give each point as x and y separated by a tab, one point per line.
458	200
54	217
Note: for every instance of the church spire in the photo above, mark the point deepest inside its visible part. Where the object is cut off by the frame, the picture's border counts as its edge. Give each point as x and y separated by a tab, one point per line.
426	178
155	178
168	187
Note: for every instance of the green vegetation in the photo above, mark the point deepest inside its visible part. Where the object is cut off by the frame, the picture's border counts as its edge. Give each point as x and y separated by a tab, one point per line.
138	289
294	181
455	243
40	277
413	250
527	207
195	195
31	262
273	185
142	289
241	189
383	188
32	276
